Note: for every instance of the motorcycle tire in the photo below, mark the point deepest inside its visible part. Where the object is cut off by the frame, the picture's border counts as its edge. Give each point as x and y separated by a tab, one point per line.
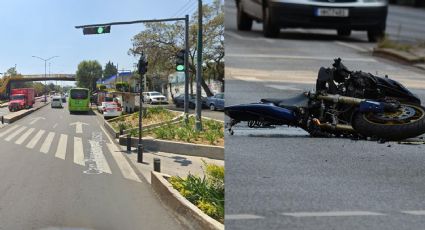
391	126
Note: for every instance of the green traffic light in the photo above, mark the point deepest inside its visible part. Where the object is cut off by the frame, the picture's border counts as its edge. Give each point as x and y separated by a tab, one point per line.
100	30
180	68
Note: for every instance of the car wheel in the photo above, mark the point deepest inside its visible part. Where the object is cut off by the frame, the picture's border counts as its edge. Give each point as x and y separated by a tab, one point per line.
150	101
212	107
244	22
270	29
375	35
344	32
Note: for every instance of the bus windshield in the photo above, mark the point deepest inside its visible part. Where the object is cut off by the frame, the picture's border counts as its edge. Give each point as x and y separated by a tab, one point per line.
79	94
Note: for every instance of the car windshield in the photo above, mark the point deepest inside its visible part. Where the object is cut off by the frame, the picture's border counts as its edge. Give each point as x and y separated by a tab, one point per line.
18	97
155	94
79	94
56	99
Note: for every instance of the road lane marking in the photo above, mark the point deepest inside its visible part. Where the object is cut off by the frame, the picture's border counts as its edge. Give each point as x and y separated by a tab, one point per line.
122	163
415	212
352	46
9	130
278	56
14	134
283	87
78	151
98	157
34	120
47	142
35	139
24	136
54	126
242	217
78	126
61	150
332	214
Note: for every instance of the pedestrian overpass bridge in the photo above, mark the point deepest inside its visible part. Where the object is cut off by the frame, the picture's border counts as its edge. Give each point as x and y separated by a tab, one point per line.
5	82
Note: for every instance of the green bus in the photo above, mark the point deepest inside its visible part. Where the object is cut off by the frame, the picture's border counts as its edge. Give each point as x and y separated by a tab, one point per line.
79	100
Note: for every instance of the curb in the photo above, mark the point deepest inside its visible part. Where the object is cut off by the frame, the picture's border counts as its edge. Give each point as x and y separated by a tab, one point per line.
198	150
12	119
187	213
397	55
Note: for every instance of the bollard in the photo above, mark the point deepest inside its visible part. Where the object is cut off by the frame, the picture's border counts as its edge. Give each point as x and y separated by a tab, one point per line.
128	143
139	153
157	165
2	119
121	131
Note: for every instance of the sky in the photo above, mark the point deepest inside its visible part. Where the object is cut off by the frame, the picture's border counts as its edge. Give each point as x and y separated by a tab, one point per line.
46	28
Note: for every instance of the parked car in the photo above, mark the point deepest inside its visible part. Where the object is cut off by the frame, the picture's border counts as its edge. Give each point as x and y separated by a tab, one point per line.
101	106
111	109
342	15
216	102
154	97
56	102
179	101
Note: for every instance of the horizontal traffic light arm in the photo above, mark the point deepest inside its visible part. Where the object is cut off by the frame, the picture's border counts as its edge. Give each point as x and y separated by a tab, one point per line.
130	22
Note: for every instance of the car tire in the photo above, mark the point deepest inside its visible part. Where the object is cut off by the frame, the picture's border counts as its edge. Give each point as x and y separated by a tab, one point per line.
270	29
244	22
375	35
150	101
212	107
344	32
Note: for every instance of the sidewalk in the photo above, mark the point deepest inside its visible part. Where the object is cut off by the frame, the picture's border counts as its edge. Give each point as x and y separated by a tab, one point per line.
171	164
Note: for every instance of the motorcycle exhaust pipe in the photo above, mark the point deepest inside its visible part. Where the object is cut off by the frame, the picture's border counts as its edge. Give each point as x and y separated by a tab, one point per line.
341	99
347	128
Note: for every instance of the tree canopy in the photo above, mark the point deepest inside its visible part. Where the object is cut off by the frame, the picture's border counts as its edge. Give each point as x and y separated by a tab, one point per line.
160	42
110	70
88	73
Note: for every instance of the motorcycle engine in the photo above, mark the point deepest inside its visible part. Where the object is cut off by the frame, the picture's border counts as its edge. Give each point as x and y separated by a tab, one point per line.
361	85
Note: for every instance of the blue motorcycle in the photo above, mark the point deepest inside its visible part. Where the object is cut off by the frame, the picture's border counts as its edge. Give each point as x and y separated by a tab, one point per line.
345	103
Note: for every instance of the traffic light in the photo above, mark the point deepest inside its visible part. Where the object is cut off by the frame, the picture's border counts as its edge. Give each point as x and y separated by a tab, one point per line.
97	30
180	61
142	67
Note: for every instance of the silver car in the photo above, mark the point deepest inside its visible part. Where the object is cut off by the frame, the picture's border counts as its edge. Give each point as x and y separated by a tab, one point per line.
342	15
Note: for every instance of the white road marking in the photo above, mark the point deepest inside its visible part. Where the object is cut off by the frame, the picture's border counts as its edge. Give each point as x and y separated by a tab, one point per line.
283	87
277	56
34	120
122	163
54	126
14	134
47	142
415	212
242	217
9	130
78	126
35	139
78	151
61	150
332	214
98	157
352	46
24	136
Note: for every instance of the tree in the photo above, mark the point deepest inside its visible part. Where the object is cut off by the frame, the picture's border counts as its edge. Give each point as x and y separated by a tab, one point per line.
161	41
110	70
88	73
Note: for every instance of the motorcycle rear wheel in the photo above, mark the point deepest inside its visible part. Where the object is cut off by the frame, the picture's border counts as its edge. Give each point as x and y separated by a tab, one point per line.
407	122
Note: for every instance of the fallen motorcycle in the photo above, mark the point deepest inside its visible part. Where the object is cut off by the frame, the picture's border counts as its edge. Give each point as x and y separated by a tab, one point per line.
345	103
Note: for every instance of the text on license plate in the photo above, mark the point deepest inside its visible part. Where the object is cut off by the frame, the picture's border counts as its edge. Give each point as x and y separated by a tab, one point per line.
331	12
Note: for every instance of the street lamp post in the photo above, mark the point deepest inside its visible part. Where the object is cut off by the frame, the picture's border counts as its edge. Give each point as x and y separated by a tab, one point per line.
45	72
198	121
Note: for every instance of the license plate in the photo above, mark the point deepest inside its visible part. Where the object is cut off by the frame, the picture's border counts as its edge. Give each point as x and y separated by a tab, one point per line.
332	12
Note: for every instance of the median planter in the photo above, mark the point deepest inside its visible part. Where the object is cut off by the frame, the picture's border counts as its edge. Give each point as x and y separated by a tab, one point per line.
186	212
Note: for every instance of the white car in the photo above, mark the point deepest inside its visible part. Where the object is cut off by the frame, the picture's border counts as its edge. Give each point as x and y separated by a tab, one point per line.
111	109
154	97
56	102
101	107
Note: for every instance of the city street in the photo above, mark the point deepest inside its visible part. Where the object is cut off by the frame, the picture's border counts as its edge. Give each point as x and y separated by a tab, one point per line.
62	171
282	178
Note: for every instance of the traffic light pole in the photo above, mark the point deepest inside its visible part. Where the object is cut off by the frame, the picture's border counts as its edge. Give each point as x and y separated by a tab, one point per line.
186	71
198	121
139	143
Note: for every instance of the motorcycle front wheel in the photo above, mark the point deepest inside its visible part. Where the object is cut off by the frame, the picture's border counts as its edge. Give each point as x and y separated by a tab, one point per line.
407	122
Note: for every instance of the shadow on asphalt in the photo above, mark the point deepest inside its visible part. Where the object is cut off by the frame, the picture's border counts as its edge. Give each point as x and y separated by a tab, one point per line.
89	113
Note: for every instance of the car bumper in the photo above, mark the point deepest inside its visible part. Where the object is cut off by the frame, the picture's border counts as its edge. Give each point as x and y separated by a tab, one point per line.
289	15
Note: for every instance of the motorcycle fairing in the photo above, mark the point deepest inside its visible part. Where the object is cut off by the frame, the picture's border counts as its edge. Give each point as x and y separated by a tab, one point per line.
394	89
266	112
298	101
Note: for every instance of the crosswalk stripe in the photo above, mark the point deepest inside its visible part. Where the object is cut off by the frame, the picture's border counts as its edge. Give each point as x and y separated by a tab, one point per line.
122	163
35	139
14	134
99	158
47	142
24	136
9	130
78	151
61	150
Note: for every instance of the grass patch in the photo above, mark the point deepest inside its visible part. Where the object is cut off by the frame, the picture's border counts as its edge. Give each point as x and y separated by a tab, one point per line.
153	115
212	133
390	44
206	193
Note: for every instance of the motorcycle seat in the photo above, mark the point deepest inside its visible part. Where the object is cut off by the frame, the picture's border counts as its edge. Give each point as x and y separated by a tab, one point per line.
297	101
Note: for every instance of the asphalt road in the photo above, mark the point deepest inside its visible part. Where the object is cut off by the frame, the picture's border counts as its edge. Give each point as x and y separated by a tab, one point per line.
283	179
61	171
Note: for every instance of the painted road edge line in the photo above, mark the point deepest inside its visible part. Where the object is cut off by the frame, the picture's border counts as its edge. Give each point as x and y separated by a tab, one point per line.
414	212
242	217
332	214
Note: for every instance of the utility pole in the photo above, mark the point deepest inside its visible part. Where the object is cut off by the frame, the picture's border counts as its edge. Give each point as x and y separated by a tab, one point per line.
198	121
45	73
186	71
142	68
